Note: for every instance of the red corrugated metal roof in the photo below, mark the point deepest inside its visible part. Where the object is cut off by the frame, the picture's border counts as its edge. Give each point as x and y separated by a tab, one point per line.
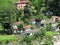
32	19
27	26
17	23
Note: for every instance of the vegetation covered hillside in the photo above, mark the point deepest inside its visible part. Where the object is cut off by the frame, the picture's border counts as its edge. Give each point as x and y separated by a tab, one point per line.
38	23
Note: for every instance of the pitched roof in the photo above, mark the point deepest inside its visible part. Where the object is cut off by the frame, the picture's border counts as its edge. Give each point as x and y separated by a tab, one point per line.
32	19
27	26
23	2
17	23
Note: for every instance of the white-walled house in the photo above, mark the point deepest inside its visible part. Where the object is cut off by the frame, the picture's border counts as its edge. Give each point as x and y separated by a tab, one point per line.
32	20
43	22
27	27
15	29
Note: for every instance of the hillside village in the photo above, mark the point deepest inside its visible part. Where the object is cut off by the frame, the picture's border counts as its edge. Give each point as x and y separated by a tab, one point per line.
29	22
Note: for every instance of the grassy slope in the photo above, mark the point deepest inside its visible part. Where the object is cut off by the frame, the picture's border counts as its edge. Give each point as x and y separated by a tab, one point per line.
4	38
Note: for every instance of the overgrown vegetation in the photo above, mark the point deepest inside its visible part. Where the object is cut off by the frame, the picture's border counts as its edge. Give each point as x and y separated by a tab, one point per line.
37	9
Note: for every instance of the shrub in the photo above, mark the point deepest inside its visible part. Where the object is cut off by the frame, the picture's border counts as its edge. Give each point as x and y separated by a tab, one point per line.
26	21
48	27
20	27
23	18
48	42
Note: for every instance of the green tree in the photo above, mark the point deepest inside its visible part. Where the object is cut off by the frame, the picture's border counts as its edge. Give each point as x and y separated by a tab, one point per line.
20	27
53	6
48	27
37	5
26	21
27	39
26	12
18	14
7	11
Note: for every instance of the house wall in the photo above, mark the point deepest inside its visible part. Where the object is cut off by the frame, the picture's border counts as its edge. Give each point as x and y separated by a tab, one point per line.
22	3
21	6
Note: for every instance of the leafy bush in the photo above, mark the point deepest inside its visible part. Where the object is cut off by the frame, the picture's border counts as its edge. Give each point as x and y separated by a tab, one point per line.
40	33
26	21
49	34
48	27
20	27
38	19
48	42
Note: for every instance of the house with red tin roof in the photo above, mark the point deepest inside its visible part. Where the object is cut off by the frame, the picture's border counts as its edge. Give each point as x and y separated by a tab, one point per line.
22	3
32	19
27	27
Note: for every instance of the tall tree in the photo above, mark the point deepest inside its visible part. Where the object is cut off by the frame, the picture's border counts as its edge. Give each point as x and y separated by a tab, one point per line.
53	6
37	4
7	9
7	13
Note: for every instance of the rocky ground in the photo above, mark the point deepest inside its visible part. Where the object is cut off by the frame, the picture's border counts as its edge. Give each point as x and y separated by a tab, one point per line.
57	40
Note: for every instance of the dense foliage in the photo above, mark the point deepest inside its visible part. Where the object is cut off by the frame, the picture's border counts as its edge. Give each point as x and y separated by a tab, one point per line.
53	6
36	9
